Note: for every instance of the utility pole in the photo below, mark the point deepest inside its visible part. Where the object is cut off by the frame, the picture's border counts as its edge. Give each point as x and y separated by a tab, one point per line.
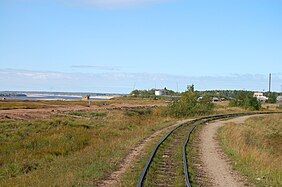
269	84
134	85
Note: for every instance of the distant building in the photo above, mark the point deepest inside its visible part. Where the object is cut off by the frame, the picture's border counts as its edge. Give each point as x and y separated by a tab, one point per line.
86	98
279	101
200	98
260	96
222	99
215	99
159	92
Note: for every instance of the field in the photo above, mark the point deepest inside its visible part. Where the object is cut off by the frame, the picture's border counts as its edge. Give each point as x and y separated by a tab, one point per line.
76	147
10	104
55	143
255	148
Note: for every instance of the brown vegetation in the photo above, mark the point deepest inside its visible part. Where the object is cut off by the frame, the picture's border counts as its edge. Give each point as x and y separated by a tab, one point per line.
81	148
255	148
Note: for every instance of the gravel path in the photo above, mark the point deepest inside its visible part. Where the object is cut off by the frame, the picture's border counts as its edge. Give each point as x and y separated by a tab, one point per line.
215	163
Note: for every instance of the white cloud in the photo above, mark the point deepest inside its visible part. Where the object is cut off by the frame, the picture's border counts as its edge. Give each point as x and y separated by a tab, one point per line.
118	82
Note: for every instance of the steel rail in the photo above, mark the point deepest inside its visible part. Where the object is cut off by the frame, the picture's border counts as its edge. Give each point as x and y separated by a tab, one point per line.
145	170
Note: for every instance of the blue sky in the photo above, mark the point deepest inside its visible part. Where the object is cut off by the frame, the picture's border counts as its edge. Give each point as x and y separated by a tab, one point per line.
162	42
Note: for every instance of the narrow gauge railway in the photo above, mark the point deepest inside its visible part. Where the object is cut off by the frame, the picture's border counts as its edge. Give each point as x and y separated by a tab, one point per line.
168	165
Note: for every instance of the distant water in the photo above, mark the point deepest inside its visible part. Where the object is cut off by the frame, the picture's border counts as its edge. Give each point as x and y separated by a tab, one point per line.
54	96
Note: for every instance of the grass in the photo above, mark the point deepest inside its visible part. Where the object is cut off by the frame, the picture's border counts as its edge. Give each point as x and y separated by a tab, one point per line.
17	104
255	148
89	114
66	150
131	177
172	148
14	104
8	105
193	156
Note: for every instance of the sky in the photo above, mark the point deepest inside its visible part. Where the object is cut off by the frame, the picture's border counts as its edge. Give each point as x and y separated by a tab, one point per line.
119	45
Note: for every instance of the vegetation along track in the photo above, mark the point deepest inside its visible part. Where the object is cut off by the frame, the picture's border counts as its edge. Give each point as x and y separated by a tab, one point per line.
168	165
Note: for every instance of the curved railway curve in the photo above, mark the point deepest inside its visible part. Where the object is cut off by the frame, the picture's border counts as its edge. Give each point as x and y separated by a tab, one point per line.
168	164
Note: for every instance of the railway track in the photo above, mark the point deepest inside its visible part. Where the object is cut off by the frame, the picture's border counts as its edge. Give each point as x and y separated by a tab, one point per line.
168	165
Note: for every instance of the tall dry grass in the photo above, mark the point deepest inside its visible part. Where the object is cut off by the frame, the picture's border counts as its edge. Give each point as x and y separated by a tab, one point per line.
255	148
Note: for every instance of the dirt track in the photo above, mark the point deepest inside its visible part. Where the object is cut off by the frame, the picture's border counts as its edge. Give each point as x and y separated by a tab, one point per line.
215	163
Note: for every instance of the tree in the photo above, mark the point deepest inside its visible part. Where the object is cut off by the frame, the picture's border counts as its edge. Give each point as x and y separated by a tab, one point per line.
188	105
272	98
246	100
191	88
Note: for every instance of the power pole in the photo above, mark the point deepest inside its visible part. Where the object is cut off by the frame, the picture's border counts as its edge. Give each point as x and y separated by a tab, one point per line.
134	85
269	84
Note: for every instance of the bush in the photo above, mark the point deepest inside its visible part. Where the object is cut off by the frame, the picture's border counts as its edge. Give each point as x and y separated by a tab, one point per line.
272	97
188	105
247	101
138	112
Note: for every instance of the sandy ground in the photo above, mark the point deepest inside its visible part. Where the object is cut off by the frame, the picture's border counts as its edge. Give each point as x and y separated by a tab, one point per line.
115	178
214	162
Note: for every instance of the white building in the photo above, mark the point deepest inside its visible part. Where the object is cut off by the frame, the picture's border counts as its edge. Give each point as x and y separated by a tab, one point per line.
279	101
159	92
260	96
215	99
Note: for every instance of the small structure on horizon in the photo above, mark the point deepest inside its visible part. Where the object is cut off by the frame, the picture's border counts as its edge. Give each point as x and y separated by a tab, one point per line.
200	98
279	101
260	96
86	98
160	92
215	99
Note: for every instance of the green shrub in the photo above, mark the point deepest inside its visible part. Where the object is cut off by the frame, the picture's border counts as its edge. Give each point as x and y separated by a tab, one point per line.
98	114
272	97
138	112
88	114
189	105
247	101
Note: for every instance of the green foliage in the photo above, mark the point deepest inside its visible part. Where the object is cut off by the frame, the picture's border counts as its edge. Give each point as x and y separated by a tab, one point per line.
138	112
151	93
191	88
26	146
227	94
246	100
272	97
89	114
256	153
47	152
188	105
143	93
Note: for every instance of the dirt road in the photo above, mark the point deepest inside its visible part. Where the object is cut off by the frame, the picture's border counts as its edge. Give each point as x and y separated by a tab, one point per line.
215	163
